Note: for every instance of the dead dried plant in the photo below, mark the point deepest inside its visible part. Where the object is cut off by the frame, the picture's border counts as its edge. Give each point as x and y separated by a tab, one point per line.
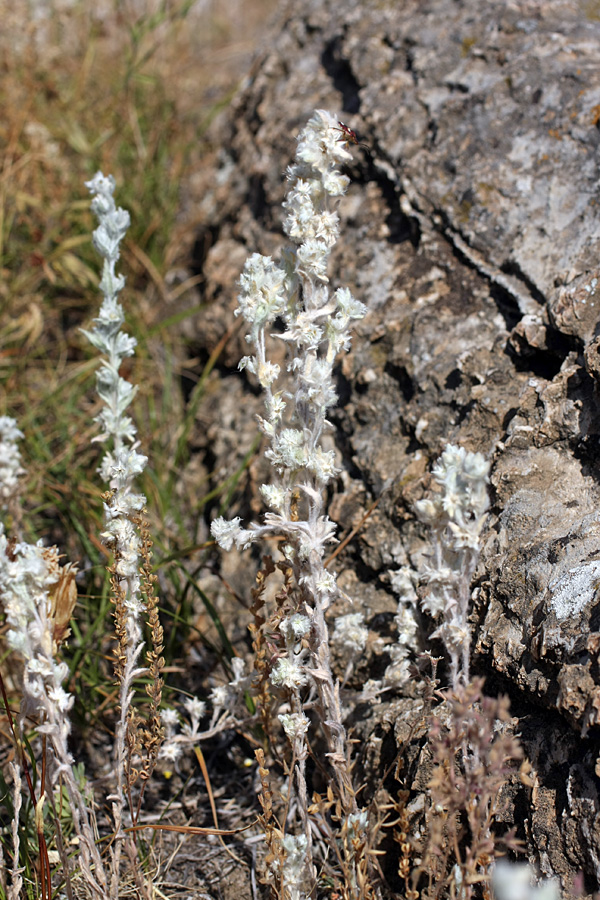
474	754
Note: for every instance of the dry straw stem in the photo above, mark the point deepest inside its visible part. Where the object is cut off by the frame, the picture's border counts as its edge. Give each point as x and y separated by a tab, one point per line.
153	733
275	858
330	712
260	630
14	891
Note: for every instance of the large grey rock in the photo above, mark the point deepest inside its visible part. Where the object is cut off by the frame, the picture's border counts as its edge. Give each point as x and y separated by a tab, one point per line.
472	232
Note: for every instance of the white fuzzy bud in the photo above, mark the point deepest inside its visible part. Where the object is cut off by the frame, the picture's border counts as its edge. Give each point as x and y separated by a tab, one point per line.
294	627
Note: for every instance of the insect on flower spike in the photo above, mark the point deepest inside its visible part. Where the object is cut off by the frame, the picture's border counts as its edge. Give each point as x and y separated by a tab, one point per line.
351	137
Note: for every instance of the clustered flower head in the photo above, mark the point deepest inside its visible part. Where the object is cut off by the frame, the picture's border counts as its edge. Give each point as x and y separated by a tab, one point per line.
295	725
456	515
289	671
10	459
350	634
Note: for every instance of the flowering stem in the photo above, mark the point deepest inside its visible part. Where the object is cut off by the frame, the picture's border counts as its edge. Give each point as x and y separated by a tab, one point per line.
122	505
317	326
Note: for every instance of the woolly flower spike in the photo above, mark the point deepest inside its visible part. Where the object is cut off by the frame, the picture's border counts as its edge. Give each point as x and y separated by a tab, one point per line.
463	501
113	222
106	335
10	459
121	465
456	515
402	582
124	463
317	327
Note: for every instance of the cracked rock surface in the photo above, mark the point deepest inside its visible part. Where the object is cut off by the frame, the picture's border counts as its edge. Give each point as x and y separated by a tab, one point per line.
472	231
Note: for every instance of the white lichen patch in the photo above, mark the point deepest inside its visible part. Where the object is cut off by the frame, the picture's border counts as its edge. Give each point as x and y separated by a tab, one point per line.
572	591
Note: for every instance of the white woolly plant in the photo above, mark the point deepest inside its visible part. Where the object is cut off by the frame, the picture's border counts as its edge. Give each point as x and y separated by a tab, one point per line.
34	594
512	881
317	326
29	576
118	468
402	582
456	515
